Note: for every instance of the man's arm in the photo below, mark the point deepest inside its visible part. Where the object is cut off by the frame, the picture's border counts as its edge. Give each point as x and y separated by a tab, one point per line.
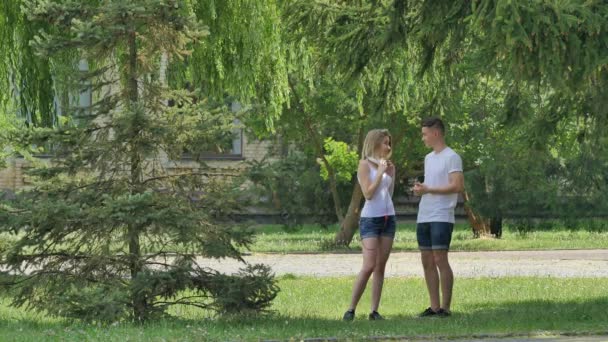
455	186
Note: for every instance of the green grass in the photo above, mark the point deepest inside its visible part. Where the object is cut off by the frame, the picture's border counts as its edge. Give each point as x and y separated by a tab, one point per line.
317	239
314	239
311	307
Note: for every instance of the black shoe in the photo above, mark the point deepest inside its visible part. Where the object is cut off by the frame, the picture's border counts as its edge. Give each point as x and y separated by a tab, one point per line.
443	313
428	313
349	316
375	316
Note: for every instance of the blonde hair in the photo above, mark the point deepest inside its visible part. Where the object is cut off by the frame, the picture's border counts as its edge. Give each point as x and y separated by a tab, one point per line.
373	140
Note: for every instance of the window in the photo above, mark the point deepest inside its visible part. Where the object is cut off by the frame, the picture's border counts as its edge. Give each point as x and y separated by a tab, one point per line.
228	147
78	104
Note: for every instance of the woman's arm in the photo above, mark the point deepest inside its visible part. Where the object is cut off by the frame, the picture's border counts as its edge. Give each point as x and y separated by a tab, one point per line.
369	186
391	172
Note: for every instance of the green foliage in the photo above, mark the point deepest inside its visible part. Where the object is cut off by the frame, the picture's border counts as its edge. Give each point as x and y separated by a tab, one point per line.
533	155
243	56
26	85
110	228
341	158
293	187
5	127
9	127
249	291
559	43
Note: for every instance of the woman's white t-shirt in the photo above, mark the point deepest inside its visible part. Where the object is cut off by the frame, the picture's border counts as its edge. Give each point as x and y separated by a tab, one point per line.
381	203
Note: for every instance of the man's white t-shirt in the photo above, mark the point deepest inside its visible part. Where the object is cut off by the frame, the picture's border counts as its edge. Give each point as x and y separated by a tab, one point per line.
437	167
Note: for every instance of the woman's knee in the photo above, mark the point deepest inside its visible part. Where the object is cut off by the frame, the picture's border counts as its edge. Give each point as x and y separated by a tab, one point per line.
379	270
381	264
368	267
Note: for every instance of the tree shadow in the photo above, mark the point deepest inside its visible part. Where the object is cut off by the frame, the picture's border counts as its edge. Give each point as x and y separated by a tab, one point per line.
482	320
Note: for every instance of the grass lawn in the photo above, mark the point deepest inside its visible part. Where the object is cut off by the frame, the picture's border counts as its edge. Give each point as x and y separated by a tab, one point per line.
311	307
317	239
314	239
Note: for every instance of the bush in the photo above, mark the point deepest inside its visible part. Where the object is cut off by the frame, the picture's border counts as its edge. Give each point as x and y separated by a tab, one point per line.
294	188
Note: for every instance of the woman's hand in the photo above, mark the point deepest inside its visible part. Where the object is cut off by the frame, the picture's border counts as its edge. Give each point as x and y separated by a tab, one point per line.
390	170
382	166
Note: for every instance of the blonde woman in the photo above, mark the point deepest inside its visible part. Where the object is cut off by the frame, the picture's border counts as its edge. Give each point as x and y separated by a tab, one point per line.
376	175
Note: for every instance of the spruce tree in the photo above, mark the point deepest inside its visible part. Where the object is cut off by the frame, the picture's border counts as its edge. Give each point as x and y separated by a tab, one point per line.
110	228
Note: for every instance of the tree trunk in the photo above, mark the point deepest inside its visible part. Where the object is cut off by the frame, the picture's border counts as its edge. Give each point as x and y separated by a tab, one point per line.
350	223
331	173
348	226
333	186
138	299
496	226
318	144
487	227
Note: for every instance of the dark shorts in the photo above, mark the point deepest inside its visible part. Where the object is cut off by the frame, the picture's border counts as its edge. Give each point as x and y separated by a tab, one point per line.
434	235
374	227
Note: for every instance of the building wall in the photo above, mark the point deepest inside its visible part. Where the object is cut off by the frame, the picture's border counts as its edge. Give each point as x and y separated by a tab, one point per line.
12	177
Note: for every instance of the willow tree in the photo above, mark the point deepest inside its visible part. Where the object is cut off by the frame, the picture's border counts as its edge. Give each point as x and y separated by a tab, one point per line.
6	126
26	85
106	232
242	59
324	113
368	61
556	48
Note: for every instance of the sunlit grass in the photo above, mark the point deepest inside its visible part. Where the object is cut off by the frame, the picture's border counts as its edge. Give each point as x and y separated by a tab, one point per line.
314	239
312	307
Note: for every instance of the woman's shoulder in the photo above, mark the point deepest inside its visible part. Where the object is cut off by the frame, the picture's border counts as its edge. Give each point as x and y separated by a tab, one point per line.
364	165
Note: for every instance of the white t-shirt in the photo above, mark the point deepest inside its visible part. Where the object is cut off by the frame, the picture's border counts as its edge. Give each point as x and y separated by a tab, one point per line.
437	167
381	203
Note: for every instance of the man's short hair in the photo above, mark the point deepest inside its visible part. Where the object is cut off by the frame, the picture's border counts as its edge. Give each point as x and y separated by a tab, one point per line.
434	122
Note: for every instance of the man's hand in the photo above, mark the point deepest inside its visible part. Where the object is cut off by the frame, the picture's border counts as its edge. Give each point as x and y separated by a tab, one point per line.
420	189
455	186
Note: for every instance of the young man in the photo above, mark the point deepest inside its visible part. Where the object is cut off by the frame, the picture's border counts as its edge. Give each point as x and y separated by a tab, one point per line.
443	180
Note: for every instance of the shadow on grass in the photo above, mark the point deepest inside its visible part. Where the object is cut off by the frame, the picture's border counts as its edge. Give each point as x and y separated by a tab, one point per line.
589	316
515	318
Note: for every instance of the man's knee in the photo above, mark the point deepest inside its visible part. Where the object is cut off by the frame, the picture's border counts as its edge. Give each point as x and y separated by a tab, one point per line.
440	258
428	263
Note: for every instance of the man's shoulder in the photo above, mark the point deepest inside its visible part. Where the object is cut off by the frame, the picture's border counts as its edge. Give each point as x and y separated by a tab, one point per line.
450	153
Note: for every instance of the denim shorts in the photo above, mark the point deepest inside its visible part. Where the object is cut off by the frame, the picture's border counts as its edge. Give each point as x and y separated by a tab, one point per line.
434	235
374	227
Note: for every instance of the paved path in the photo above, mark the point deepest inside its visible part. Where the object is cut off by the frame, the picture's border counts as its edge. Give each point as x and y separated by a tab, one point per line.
561	264
543	339
593	338
488	338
